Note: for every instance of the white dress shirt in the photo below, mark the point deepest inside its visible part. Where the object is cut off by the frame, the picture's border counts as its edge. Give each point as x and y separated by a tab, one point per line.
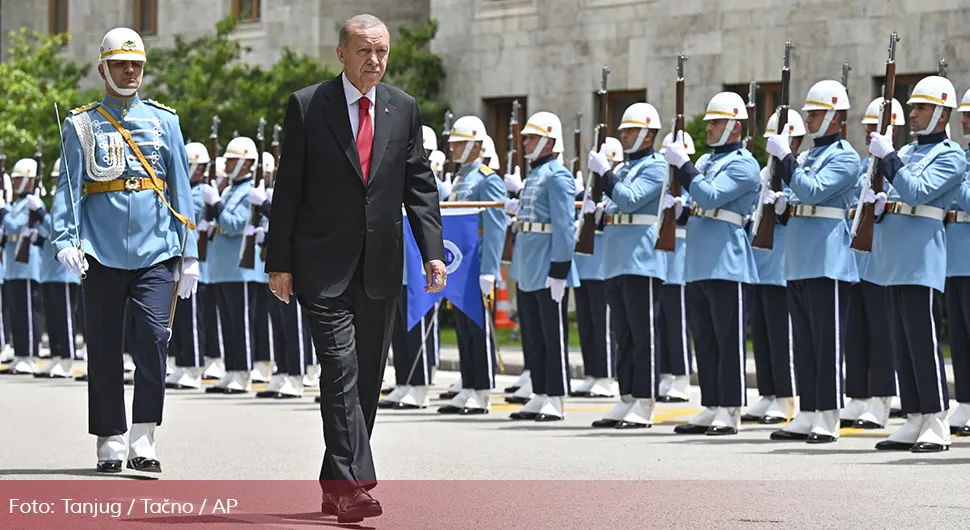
353	109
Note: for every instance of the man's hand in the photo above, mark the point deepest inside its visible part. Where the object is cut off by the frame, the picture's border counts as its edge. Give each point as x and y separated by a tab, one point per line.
209	194
72	259
34	202
779	145
580	184
677	203
188	279
281	285
513	181
436	275
881	145
257	195
675	153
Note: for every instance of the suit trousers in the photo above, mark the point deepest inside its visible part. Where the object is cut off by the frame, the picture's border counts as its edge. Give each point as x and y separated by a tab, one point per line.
147	293
188	333
914	326
262	338
415	348
545	332
276	333
595	331
296	353
869	366
715	312
237	313
26	309
59	301
818	309
211	322
351	333
476	352
634	308
958	315
675	347
771	340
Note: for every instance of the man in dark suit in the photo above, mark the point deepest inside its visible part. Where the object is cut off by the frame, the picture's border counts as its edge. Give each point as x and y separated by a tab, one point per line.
352	154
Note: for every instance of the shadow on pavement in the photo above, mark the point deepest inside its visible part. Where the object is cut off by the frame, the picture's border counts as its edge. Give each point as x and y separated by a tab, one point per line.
71	472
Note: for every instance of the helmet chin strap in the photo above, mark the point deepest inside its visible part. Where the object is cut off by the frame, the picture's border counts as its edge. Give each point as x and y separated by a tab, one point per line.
465	152
22	186
933	122
639	142
728	129
829	116
126	92
540	145
236	170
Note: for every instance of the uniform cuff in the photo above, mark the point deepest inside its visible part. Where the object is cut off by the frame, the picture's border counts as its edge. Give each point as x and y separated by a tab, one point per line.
266	208
559	269
214	211
890	165
685	175
608	181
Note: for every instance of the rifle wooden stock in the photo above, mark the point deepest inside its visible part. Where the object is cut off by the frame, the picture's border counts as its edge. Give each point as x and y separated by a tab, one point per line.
586	242
764	237
203	239
514	139
23	250
667	234
247	256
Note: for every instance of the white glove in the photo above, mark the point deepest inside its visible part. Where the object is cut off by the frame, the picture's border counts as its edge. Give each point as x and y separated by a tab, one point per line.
446	186
29	233
189	277
770	197
72	259
557	288
269	195
209	194
449	178
779	145
589	206
580	183
249	230
34	202
511	206
486	282
881	145
597	161
257	195
763	174
260	235
674	202
878	200
781	202
513	182
203	226
600	208
675	153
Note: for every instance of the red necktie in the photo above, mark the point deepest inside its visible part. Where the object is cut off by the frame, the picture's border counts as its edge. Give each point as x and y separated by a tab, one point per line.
365	137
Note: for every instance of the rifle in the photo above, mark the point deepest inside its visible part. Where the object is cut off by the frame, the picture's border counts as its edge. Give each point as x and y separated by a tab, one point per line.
247	256
762	222
752	121
449	166
272	182
941	69
23	251
667	218
513	141
865	218
586	239
845	83
576	165
203	241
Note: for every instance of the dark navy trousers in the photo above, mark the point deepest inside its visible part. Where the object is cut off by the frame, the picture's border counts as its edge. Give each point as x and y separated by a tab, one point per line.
188	334
596	338
869	367
412	349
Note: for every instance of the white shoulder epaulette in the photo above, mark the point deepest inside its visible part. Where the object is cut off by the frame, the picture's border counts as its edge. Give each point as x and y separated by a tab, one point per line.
156	104
84	108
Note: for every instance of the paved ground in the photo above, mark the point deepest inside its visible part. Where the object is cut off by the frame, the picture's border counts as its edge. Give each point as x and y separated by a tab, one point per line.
743	481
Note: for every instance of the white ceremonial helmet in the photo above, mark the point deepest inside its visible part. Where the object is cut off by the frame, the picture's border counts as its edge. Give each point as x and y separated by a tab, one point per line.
428	138
269	163
488	153
796	126
934	90
874	110
221	168
469	129
688	142
827	95
121	44
240	147
56	168
725	106
641	116
437	160
547	126
197	153
965	107
26	168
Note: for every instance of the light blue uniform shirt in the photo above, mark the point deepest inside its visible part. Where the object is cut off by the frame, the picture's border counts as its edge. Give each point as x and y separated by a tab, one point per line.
51	270
477	182
676	259
635	189
728	179
928	173
827	174
124	229
862	258
15	222
590	267
549	198
198	205
958	234
225	246
771	263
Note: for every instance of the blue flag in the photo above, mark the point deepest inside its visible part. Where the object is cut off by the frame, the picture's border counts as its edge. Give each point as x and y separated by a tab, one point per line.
460	234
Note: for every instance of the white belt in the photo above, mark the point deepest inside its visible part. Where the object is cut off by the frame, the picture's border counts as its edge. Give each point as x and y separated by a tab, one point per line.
958	217
681	233
719	215
824	212
13	239
929	212
630	219
536	228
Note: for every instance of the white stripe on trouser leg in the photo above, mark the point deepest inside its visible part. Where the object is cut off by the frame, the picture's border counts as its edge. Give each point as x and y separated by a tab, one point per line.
3	332
488	347
562	349
424	345
609	345
249	350
434	331
30	322
791	357
222	346
653	349
195	331
270	331
683	331
838	348
69	321
741	352
299	336
936	357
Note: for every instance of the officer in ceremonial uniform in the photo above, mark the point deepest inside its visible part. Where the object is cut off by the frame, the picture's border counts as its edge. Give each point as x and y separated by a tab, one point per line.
925	178
870	381
215	366
133	229
675	343
475	181
958	289
634	271
819	265
236	288
542	263
61	290
770	323
21	220
188	333
719	261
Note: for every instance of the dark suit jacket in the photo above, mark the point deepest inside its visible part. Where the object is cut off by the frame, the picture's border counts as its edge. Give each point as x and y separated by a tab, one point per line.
324	219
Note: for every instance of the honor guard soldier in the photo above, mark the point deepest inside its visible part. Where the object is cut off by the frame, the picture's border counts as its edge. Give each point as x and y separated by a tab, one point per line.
61	289
215	365
719	262
819	266
188	333
429	140
475	181
958	289
236	288
6	351
675	343
134	230
925	178
770	323
634	271
20	224
489	156
870	381
542	263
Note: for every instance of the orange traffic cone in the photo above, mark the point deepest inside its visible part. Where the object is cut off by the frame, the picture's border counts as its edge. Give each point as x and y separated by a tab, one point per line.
502	306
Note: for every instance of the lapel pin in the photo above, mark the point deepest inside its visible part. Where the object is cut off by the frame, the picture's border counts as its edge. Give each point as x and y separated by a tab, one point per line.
386	111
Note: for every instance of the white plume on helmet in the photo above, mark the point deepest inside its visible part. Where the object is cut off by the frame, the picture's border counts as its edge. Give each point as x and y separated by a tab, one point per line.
121	44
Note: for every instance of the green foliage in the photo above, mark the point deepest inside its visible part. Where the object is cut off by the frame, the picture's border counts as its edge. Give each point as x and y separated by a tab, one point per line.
412	67
697	128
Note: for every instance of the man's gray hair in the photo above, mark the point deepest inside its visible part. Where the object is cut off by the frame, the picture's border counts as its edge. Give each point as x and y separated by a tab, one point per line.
357	22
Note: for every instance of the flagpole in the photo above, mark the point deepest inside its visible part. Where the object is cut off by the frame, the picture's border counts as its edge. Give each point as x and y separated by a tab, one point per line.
491	331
